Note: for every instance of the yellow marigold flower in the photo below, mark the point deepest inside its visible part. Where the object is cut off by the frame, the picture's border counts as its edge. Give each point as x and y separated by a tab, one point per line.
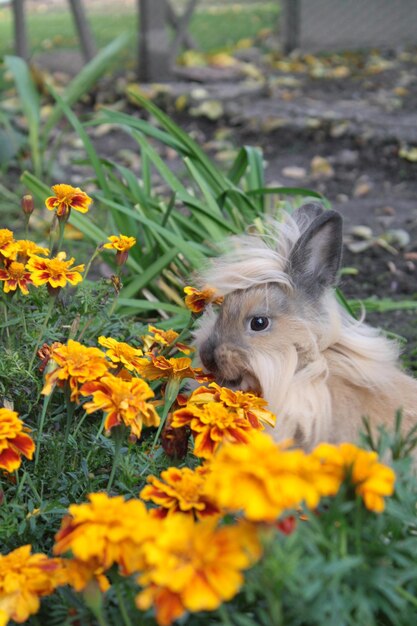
55	272
121	352
262	479
179	490
372	480
8	246
212	424
24	578
250	406
159	367
194	566
66	198
76	364
14	275
105	531
197	300
27	248
123	401
14	440
121	243
159	337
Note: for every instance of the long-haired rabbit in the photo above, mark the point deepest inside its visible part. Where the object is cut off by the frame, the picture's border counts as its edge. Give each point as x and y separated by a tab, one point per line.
282	332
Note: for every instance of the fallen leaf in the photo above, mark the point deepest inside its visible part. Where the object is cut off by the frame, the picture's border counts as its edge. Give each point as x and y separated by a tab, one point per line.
294	171
408	153
321	168
212	109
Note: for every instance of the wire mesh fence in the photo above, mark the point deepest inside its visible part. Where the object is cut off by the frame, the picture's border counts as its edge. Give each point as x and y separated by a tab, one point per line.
348	24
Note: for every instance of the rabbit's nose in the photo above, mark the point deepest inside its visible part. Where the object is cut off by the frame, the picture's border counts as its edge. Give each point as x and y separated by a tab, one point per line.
207	355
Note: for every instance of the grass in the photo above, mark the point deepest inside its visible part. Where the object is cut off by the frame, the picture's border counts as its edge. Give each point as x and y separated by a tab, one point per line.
213	27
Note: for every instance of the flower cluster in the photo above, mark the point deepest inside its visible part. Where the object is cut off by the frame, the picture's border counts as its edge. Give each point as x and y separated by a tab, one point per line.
24	264
264	479
14	440
181	564
216	414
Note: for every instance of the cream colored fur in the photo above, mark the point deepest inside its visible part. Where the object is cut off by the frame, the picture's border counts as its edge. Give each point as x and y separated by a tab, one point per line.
320	370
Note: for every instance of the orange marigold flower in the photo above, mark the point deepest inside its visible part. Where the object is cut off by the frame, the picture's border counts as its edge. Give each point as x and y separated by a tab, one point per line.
14	440
159	337
8	246
197	301
250	406
123	401
194	566
262	479
104	531
79	573
159	367
14	275
372	480
212	424
24	578
55	272
76	364
27	248
121	352
66	198
179	490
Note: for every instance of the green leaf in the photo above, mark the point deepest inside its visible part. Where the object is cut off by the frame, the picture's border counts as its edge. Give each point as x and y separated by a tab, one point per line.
85	79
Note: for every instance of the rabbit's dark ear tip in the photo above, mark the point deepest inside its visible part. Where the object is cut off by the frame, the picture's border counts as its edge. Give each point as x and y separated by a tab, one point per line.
308	212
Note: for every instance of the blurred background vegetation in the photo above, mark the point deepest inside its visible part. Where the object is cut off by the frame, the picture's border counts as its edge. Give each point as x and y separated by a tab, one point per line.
215	24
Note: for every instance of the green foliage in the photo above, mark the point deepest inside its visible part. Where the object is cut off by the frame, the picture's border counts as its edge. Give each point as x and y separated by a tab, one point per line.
39	134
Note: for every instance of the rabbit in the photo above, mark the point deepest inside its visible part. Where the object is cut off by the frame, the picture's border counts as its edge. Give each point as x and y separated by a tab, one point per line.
282	333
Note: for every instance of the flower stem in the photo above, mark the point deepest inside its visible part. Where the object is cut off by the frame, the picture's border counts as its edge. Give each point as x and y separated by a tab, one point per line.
61	235
41	425
172	389
80	423
119	432
93	599
97	437
120	600
42	331
88	266
70	406
226	621
6	323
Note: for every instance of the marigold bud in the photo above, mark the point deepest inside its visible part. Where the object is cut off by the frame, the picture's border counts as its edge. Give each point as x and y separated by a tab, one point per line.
28	204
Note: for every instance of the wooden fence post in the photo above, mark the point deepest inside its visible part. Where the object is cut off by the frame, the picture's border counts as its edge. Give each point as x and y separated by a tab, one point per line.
20	32
154	50
84	31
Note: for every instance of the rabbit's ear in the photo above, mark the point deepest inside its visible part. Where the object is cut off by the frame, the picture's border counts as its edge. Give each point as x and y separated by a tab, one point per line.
315	259
306	213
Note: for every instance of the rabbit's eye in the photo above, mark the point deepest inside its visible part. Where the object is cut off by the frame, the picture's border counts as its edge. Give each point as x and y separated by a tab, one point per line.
259	323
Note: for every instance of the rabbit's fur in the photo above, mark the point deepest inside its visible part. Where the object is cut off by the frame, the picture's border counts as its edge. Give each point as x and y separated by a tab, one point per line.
320	370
